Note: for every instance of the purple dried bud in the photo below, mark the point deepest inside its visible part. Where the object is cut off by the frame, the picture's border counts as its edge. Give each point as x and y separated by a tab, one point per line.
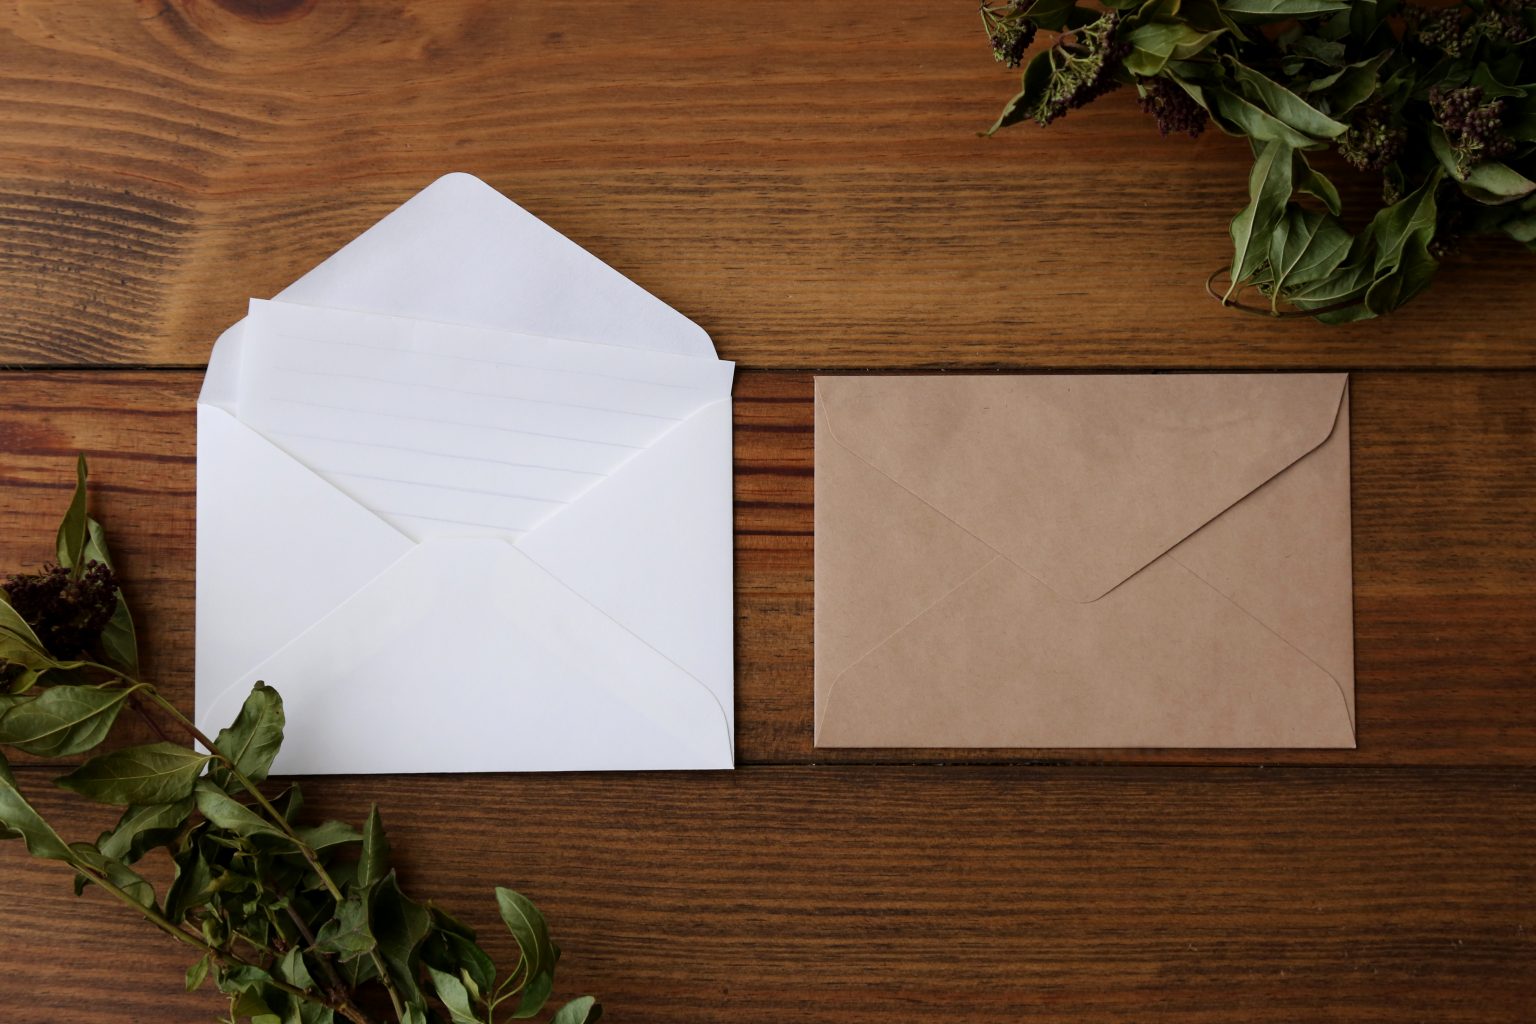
1174	109
67	614
1375	137
1474	129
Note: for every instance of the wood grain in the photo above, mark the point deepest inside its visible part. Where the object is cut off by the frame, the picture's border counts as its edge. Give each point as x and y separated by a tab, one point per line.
1228	896
1445	553
802	178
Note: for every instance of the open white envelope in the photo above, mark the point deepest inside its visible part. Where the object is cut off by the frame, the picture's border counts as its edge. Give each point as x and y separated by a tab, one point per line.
593	633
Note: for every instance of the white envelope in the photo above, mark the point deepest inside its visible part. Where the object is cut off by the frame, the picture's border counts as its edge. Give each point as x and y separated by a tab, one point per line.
601	638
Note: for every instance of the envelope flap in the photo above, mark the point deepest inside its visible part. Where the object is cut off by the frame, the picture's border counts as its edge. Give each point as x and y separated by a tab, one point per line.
466	656
459	250
1082	480
650	547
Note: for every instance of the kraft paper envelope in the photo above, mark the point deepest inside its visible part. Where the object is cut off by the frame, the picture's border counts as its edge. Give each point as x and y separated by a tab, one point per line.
1084	561
464	499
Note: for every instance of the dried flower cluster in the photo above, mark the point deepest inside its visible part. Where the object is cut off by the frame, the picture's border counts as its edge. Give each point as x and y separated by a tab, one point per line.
1176	111
68	612
1474	126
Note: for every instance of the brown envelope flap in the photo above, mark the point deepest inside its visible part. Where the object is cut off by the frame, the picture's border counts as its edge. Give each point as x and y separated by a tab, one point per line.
1082	480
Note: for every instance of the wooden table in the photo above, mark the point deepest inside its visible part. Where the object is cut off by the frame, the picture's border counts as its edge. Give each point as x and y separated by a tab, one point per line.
804	180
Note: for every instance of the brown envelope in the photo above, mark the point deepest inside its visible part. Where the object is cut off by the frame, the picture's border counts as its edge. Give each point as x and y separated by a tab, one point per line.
1084	561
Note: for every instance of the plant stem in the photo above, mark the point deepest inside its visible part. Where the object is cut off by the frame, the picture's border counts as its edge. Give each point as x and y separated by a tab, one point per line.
277	819
154	917
309	939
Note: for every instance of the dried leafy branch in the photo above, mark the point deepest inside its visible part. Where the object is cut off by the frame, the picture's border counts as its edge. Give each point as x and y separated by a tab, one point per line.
1439	102
297	923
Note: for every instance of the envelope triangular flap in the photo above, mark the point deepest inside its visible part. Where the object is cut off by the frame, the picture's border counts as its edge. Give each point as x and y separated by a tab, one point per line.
277	548
460	245
526	676
1082	480
649	546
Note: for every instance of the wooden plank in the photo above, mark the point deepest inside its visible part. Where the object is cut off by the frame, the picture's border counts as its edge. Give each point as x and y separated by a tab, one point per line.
1445	552
1228	896
804	180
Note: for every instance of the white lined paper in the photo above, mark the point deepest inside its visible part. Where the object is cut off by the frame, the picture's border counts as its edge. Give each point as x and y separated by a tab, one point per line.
448	430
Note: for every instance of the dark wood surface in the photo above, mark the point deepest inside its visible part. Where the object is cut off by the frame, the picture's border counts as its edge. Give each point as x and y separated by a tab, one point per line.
804	180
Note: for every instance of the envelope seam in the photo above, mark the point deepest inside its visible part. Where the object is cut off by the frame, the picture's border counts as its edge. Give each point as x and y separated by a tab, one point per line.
826	703
832	432
554	514
234	687
725	719
1344	697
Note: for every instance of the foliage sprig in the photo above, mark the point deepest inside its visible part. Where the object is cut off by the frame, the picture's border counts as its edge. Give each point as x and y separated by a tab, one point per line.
295	922
1438	101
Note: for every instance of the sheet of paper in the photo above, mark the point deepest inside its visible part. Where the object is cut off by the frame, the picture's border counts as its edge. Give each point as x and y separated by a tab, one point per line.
445	430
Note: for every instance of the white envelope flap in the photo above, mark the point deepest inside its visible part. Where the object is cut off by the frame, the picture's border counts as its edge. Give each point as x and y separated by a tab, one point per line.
277	549
460	251
467	656
651	546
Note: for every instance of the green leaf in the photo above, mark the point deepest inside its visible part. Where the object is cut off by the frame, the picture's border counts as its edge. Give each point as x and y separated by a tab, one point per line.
373	861
1286	105
1393	230
19	645
118	640
158	773
313	1013
1269	190
1415	269
1155	43
1495	184
1036	81
115	871
1235	115
1389	264
74	530
1328	52
1051	15
358	971
61	721
1521	229
253	740
191	886
144	827
454	997
1316	184
228	813
348	934
329	834
1493	89
12	623
1520	122
292	969
1276	10
584	1010
1492	183
452	946
19	820
539	954
198	973
401	926
1353	85
1308	245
